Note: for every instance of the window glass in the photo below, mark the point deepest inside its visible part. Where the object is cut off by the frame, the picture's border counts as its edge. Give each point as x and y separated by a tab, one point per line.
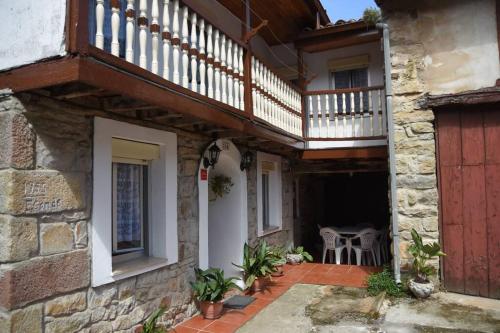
265	201
128	210
353	78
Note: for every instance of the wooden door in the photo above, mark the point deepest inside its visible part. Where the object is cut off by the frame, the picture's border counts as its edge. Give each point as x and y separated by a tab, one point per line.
469	182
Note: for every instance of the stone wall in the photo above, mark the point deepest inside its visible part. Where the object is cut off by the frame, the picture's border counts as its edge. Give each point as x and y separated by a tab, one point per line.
45	205
45	210
414	136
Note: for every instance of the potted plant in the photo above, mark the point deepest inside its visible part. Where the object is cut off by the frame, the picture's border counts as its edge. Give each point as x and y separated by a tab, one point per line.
296	255
257	266
220	185
209	289
278	255
420	285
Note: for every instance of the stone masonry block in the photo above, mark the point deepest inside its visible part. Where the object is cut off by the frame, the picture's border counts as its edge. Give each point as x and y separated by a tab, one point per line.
24	320
18	238
55	238
18	141
66	305
35	192
43	277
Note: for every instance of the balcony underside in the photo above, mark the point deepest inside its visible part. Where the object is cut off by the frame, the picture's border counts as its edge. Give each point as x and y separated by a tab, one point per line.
117	87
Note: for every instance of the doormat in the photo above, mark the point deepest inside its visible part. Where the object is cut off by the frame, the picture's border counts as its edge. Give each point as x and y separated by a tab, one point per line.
238	302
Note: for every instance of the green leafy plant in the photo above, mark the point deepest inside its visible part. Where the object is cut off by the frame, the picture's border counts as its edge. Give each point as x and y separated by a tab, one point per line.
257	262
384	281
278	255
220	185
300	250
371	15
150	325
210	284
421	254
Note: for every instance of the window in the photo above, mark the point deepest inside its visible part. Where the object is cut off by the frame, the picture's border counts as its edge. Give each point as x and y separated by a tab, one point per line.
265	201
351	78
129	207
134	213
269	200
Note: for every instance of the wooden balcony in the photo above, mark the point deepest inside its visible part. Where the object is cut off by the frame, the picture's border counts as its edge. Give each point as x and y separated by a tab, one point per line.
346	117
174	43
162	61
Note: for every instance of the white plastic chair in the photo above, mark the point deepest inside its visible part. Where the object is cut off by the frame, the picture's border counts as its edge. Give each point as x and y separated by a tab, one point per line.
332	241
383	251
368	244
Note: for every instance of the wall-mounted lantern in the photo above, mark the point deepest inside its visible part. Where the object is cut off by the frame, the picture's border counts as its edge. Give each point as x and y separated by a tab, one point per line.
213	156
246	160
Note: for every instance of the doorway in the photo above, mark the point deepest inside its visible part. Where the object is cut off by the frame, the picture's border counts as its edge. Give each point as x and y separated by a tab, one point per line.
223	225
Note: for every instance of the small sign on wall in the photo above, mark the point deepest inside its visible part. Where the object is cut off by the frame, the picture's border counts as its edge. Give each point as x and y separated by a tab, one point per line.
203	174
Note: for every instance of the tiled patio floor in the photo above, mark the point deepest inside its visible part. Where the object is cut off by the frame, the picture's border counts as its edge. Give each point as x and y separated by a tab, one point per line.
231	320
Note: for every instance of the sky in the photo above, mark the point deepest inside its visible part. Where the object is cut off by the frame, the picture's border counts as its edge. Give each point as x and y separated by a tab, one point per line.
346	9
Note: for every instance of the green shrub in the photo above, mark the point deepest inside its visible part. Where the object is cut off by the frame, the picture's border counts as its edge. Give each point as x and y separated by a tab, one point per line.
372	15
150	325
384	281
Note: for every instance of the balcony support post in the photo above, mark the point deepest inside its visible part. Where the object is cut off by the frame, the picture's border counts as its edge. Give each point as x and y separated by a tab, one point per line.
247	78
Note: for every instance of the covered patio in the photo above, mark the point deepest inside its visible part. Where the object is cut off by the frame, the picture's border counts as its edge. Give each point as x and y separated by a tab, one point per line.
306	273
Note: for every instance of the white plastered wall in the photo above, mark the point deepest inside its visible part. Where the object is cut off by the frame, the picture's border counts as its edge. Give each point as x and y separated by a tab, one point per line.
31	31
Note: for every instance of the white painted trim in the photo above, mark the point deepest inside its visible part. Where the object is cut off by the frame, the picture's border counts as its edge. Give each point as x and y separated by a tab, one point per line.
203	248
275	195
163	212
345	144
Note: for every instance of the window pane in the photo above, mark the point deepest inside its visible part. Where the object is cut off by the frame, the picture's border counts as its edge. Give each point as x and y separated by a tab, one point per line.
129	215
265	201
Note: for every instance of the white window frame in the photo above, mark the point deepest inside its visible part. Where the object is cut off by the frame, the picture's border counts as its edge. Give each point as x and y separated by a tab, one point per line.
163	241
275	194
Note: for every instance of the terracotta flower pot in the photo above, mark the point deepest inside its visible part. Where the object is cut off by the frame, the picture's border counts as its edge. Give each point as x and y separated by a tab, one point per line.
279	271
211	310
259	284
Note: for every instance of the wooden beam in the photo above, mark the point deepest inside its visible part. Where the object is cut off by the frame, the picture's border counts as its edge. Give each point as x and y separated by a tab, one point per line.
77	27
365	152
41	75
473	97
250	34
327	42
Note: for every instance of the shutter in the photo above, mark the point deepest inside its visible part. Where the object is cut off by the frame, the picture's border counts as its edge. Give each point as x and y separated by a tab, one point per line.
127	151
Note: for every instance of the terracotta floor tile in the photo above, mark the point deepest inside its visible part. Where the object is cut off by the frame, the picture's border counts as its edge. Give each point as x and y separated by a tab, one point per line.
183	329
309	273
197	322
221	327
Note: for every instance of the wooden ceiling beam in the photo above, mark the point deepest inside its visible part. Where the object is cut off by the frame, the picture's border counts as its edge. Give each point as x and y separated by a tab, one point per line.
354	153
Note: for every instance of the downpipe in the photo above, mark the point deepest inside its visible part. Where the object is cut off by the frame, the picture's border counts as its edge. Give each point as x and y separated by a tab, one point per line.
390	142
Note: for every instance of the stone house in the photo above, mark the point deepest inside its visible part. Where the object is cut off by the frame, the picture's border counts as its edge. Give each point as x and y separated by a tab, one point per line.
112	116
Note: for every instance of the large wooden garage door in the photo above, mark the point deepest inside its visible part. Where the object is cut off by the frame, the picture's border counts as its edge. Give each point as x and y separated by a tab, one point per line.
469	181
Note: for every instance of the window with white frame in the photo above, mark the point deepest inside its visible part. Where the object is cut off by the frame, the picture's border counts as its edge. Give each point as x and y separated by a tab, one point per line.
134	216
269	198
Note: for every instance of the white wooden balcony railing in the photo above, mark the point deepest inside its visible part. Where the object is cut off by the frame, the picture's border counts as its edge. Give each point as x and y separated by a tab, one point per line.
174	42
345	114
274	100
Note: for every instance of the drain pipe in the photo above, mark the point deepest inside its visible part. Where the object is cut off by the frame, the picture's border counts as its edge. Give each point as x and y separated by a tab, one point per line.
392	158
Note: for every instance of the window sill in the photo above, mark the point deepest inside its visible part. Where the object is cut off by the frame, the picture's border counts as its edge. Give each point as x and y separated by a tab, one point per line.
137	266
269	231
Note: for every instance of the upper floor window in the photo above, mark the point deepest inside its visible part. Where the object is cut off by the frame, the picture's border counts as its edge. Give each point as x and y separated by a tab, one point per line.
351	78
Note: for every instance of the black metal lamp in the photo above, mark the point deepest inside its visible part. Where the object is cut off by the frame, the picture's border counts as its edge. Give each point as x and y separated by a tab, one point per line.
246	160
213	156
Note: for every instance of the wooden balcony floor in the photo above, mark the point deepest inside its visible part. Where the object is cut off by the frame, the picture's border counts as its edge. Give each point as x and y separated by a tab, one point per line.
308	273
